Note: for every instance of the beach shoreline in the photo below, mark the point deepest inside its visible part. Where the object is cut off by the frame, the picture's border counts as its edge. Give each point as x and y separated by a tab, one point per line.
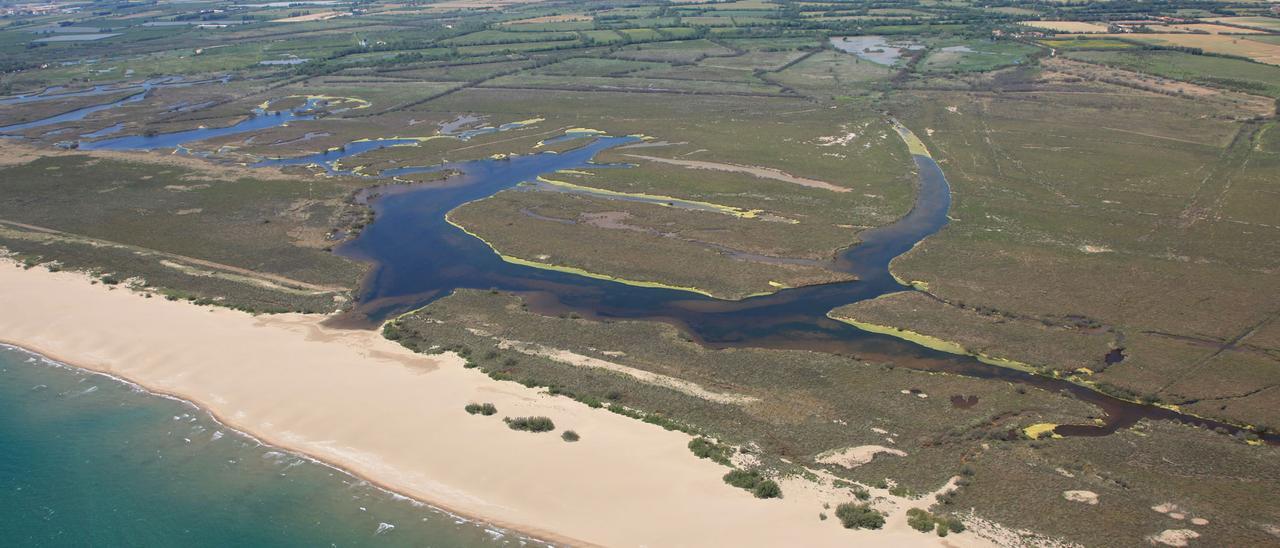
362	404
546	538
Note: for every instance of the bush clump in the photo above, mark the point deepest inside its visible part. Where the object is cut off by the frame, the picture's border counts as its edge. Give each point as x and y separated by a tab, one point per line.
392	331
767	489
751	480
704	448
921	520
530	424
953	525
859	516
743	479
570	436
485	409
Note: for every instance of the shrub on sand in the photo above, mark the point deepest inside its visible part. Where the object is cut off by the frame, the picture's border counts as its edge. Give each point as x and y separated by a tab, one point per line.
767	489
485	409
859	516
530	424
920	520
751	480
743	479
707	449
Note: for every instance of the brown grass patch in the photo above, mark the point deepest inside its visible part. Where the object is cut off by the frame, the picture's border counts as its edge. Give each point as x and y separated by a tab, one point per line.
1261	52
566	18
1060	69
1074	27
322	16
478	4
1207	27
1265	23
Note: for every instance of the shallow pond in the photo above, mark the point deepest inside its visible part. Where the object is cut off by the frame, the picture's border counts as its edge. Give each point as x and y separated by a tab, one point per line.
876	49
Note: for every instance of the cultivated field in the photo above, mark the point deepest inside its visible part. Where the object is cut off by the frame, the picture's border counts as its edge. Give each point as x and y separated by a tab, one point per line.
1068	26
1264	23
1239	46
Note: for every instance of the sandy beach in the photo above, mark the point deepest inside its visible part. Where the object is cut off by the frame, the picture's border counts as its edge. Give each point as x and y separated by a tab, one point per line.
367	405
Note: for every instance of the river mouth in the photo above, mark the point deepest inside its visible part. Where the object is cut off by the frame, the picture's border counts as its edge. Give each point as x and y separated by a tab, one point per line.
418	256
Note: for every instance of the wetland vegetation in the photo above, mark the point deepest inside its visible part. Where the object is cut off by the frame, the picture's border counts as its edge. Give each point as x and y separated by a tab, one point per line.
679	212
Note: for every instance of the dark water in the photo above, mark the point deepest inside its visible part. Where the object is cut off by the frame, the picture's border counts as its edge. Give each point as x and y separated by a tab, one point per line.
86	460
260	120
1116	355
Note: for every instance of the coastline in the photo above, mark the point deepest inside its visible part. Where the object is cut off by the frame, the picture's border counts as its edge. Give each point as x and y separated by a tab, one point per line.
360	403
52	361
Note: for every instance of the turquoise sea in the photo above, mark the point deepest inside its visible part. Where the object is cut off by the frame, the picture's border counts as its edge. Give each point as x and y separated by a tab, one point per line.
87	460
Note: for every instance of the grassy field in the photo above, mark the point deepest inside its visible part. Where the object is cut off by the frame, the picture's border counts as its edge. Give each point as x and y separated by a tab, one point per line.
1059	344
976	56
1230	73
166	222
1239	46
1068	26
612	237
1172	223
1134	474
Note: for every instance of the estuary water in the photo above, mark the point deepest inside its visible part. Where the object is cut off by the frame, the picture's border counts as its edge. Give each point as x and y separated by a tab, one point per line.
87	460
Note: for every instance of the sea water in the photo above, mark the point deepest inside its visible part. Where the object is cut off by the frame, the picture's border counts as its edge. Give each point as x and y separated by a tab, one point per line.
88	460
